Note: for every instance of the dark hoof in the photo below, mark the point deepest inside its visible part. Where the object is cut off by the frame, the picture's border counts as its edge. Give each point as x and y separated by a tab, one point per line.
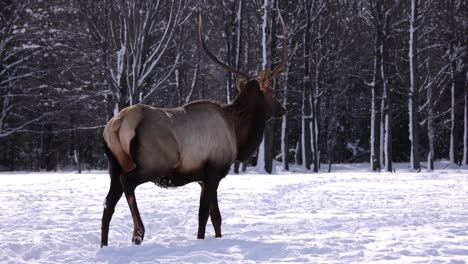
103	245
218	235
200	237
137	240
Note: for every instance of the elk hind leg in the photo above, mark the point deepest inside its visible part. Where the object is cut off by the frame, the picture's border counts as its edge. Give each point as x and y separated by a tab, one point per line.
129	185
215	214
113	196
204	209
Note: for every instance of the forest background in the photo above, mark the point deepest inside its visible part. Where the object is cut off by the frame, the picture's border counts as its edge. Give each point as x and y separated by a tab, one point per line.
367	81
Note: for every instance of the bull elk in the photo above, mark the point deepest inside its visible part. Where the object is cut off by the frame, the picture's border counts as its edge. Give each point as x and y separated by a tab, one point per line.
197	142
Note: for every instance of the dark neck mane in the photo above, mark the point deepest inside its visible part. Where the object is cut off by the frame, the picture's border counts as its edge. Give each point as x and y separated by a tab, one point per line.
248	119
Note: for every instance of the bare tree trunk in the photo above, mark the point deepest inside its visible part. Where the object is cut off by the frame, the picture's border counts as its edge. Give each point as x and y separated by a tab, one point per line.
297	153
387	135
388	142
314	135
452	157
383	107
413	90
5	109
177	85
227	43
330	126
430	127
264	162
284	124
246	65
385	131
306	139
194	79
239	33
76	150
465	125
374	146
305	135
314	109
238	53
315	103
284	140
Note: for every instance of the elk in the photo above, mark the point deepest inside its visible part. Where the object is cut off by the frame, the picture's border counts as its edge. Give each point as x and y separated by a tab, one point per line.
197	142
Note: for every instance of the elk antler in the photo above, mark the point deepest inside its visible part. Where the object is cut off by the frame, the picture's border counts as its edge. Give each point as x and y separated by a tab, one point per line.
284	53
213	57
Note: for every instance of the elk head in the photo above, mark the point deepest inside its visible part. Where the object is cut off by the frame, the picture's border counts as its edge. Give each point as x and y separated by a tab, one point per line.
263	83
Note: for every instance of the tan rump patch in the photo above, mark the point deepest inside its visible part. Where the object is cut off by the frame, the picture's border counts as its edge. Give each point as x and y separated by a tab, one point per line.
118	134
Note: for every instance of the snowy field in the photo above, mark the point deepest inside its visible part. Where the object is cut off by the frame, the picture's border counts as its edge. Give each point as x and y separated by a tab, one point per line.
348	216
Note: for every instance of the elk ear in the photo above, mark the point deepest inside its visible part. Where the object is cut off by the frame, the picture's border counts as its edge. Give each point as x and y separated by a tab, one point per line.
264	79
240	83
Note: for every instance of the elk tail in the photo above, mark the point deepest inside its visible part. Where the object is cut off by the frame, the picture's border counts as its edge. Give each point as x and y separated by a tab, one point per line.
114	148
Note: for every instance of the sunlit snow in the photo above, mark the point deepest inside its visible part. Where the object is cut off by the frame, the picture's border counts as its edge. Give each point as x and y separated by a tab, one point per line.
349	215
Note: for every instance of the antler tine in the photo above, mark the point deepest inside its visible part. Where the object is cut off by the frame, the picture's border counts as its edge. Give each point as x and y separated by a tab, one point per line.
212	56
284	53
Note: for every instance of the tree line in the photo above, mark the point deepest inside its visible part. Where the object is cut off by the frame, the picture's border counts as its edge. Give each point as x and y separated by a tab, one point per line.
367	80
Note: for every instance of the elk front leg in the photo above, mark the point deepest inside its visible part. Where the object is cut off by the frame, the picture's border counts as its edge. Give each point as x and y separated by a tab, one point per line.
209	206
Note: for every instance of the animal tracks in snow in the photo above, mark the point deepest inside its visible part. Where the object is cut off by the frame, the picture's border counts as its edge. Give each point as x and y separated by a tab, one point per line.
348	216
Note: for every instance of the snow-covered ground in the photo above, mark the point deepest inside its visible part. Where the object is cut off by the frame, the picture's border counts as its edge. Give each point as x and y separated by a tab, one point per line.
350	215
